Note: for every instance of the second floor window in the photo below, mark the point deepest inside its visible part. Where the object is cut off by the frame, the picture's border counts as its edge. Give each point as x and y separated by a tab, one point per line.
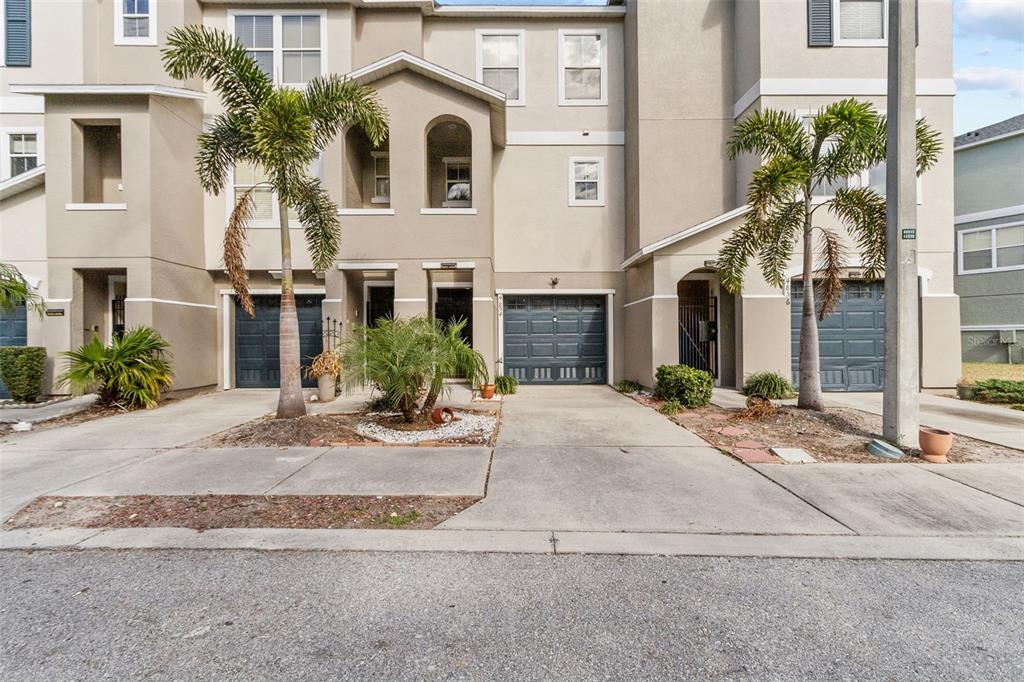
991	249
135	22
24	152
457	183
586	181
381	178
288	47
500	63
860	21
583	66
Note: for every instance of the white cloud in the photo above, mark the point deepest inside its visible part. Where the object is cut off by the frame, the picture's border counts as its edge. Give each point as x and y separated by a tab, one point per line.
997	78
984	52
990	19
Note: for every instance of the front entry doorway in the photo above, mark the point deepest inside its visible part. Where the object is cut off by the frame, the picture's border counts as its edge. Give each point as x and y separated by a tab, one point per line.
380	302
454	304
698	325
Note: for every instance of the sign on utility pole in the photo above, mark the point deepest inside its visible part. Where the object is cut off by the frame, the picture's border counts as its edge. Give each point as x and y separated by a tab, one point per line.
902	381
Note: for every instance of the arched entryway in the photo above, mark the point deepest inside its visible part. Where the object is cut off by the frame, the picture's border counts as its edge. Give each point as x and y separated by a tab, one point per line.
699	317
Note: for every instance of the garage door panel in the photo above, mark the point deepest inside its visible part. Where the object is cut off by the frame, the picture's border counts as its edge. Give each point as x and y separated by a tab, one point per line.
569	349
257	350
851	340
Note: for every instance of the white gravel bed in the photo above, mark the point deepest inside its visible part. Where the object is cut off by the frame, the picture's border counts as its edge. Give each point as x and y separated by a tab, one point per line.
468	425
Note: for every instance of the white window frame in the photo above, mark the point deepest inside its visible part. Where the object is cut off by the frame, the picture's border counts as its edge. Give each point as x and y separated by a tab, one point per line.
375	198
562	100
573	201
988	228
453	161
275	218
119	36
860	42
278	45
5	146
518	33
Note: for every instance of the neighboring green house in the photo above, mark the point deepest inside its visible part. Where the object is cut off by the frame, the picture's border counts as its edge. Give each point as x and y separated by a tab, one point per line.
989	209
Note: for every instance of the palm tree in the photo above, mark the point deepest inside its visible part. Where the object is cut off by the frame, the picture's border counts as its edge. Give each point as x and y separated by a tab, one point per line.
15	290
281	131
843	139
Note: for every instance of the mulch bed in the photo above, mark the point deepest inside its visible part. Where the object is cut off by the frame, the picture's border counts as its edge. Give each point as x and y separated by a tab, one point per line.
836	435
205	512
324	430
86	415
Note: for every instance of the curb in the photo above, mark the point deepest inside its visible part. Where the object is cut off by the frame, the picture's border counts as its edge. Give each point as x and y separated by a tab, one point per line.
939	548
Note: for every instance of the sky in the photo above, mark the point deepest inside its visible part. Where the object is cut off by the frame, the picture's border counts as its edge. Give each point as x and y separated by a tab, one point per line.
988	56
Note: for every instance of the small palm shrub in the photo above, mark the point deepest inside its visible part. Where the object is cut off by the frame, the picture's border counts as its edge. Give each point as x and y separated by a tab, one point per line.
1000	391
671	407
132	371
506	385
408	360
22	369
691	387
627	386
770	385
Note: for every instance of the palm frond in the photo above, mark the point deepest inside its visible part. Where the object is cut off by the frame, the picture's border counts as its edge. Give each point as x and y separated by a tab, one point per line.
737	250
769	133
235	243
213	55
283	136
319	218
15	290
831	257
227	141
929	145
774	184
846	133
777	240
334	102
863	213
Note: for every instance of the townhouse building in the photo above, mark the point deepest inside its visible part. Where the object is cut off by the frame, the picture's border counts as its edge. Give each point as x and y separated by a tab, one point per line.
556	175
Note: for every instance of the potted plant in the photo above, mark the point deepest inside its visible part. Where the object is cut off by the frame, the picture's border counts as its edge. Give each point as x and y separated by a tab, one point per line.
325	368
935	444
966	390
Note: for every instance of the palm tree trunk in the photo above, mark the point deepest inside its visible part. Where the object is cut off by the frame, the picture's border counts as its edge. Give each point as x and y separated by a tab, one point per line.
810	396
290	402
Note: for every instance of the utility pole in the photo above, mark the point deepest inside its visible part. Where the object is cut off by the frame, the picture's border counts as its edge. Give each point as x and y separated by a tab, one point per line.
902	374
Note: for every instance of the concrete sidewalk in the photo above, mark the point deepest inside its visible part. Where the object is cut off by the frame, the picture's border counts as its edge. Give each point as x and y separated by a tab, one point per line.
990	423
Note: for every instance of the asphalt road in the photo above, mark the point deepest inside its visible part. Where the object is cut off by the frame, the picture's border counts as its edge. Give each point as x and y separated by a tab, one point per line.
241	615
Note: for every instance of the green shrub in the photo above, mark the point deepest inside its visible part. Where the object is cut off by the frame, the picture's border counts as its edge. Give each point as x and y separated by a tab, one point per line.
1000	391
770	385
627	386
22	369
133	370
692	387
671	407
506	385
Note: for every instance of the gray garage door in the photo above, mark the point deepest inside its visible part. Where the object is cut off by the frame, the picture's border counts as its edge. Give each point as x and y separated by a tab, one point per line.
851	340
555	339
257	364
13	332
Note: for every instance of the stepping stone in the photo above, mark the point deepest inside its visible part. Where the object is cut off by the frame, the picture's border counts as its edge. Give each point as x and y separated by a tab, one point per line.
718	417
750	445
793	455
754	456
730	431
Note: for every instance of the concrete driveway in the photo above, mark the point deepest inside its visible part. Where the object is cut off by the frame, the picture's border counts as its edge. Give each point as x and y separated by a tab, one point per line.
588	458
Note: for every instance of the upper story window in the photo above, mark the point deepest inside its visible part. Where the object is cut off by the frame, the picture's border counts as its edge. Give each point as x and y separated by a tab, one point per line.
288	46
989	249
21	150
458	182
500	63
381	178
252	177
582	67
135	22
859	22
586	181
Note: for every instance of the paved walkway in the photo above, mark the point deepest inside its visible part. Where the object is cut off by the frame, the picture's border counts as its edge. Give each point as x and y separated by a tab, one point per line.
989	423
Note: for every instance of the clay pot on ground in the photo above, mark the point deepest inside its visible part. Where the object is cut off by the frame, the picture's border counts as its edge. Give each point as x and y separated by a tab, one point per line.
966	391
325	388
486	391
442	415
935	445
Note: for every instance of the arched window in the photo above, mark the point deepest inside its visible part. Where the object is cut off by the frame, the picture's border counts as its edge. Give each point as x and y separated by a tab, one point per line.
449	164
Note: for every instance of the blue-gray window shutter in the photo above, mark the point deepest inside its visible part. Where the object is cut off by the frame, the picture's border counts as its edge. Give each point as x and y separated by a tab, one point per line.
18	32
819	23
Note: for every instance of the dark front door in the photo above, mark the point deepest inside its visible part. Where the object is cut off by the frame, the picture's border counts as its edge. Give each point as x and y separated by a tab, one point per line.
380	302
13	332
698	326
555	339
851	340
257	360
452	305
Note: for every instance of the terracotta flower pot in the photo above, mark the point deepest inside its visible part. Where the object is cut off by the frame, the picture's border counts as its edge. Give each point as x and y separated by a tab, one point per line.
442	415
935	444
486	391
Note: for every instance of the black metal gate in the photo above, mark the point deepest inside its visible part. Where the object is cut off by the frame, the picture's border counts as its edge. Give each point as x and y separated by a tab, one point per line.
453	305
380	302
117	316
698	327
